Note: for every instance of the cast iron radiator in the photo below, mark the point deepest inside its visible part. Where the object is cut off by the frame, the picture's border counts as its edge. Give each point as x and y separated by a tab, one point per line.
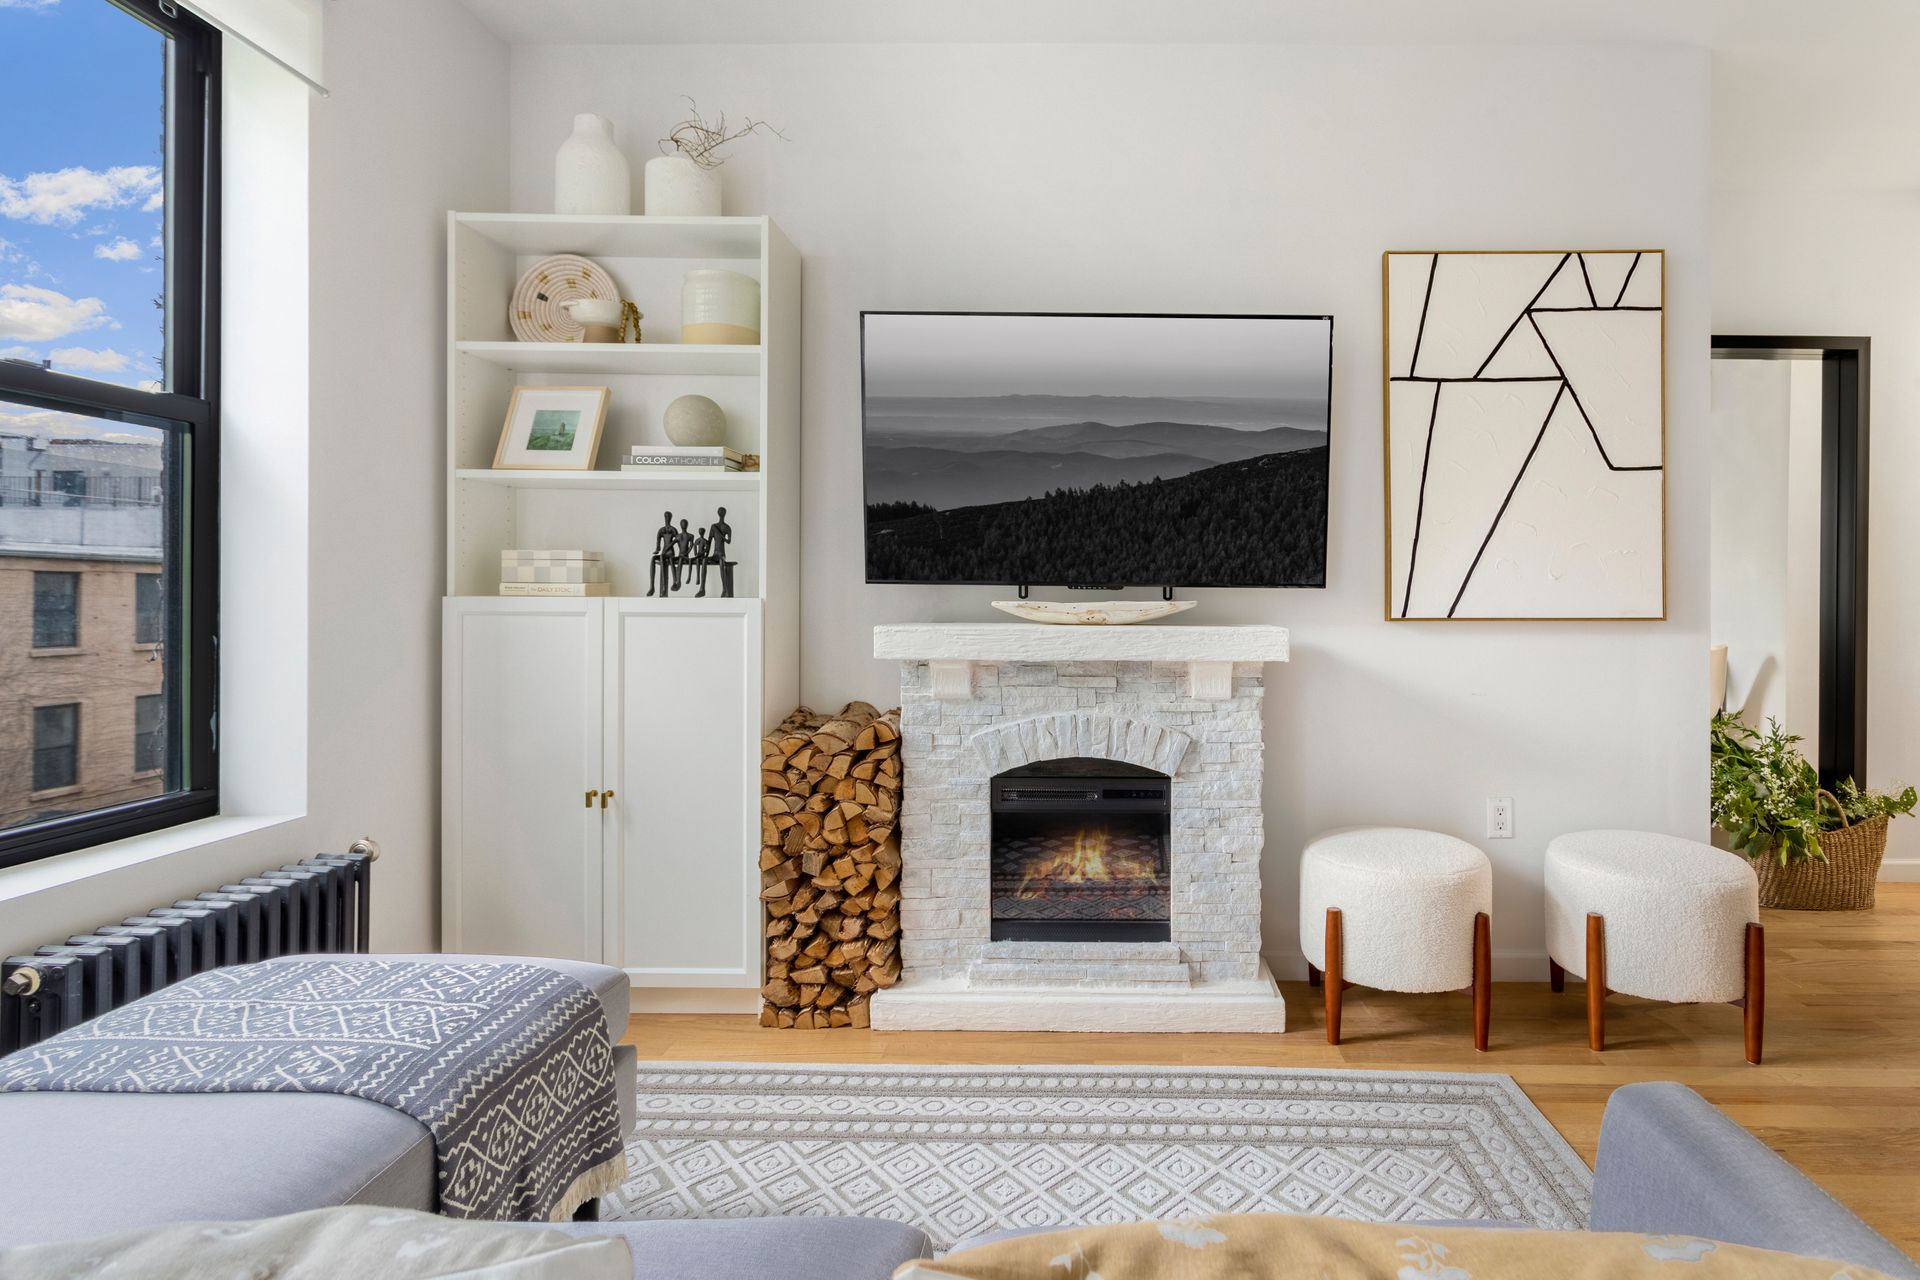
318	904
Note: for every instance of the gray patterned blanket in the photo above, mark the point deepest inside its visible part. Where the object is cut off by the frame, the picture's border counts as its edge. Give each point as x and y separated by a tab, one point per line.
509	1066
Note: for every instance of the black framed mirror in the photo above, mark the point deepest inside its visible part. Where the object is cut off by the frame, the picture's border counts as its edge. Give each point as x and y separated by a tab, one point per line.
1843	397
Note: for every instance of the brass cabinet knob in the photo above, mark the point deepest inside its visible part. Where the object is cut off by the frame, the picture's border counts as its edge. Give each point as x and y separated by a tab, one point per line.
604	797
590	796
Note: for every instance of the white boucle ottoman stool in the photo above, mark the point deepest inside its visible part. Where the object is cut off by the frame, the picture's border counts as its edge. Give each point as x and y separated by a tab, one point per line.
1658	917
1397	909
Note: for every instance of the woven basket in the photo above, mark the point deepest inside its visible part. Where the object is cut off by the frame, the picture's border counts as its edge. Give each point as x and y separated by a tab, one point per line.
1844	882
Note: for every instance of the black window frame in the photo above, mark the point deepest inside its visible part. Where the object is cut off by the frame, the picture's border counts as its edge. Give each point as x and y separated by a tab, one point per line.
191	491
42	629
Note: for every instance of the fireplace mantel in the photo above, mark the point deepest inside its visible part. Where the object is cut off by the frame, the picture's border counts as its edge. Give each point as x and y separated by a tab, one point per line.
951	648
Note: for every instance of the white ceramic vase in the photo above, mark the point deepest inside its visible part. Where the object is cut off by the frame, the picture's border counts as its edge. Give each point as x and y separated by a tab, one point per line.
720	307
589	174
677	187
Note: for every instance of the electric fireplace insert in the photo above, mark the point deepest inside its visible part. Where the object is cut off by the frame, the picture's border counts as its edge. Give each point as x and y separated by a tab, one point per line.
1080	852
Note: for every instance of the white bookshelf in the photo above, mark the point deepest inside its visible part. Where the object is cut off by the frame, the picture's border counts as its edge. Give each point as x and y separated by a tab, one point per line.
607	509
656	704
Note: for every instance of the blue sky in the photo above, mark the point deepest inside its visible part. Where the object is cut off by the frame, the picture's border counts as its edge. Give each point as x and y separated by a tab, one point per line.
81	205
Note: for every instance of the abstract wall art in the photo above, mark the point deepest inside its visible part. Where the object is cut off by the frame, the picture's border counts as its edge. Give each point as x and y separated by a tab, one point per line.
1525	435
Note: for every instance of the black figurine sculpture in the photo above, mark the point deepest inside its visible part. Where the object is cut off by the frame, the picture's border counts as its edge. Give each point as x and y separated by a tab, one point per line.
701	545
680	555
664	543
721	533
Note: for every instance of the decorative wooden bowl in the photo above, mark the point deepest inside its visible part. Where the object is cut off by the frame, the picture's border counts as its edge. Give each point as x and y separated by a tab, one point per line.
1098	613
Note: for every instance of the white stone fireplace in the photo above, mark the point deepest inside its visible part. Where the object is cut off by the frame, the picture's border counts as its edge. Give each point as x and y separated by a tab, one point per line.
1164	933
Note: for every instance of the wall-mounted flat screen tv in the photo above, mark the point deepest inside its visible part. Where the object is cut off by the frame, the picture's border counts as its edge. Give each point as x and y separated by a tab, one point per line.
1096	450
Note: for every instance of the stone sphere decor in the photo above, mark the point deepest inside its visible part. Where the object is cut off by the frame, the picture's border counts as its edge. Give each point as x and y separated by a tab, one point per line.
695	422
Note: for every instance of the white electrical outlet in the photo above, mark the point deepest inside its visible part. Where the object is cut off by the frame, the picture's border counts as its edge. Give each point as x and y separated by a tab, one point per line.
1499	817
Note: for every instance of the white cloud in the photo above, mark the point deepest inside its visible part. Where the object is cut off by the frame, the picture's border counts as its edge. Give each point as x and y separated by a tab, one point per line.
41	315
121	250
65	194
20	353
90	361
156	243
28	4
155	202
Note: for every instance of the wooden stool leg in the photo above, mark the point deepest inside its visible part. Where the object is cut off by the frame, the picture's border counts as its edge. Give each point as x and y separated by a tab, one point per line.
1334	981
1313	976
1556	976
1756	994
1482	980
1596	982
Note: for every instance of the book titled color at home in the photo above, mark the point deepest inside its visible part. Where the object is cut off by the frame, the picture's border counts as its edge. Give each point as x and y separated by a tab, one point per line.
556	588
684	453
639	462
676	469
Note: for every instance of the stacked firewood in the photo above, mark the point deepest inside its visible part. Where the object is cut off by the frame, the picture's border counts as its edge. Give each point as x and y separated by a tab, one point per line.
829	866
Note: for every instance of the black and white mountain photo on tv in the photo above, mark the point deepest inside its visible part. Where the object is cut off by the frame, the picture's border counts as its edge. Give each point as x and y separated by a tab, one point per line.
1091	450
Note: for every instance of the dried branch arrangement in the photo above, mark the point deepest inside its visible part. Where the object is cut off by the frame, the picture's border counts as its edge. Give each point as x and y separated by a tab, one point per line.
700	139
829	801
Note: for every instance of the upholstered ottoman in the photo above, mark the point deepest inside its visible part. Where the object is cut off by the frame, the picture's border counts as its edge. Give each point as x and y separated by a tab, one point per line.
1397	909
1658	917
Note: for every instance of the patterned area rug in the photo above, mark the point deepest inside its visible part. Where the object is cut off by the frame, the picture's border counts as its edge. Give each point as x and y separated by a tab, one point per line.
959	1151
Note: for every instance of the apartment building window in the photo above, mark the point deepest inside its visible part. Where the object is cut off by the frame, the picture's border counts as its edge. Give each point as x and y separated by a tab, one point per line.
149	733
109	426
56	746
56	610
149	609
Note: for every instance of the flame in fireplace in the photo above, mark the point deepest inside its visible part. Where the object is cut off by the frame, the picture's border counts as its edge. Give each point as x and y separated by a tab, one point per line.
1092	859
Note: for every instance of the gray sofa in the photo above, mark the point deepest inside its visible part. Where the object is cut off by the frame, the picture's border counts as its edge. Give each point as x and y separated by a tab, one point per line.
87	1165
128	1160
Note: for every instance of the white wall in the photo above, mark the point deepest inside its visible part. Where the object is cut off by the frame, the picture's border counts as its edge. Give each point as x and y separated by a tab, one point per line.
1245	178
1831	260
338	736
1751	425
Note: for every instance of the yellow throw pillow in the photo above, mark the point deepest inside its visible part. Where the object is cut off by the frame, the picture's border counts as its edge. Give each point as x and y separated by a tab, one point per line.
1250	1245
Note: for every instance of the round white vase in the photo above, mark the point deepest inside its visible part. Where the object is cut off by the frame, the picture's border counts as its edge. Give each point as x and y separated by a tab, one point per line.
677	187
589	174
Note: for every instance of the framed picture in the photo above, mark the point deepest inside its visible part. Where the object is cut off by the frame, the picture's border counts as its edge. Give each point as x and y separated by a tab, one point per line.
1525	435
552	428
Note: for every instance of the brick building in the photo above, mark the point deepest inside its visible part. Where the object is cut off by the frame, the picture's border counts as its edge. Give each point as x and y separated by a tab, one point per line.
82	625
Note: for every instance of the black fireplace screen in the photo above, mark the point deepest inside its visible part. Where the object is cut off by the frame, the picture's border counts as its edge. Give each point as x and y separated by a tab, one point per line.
1080	852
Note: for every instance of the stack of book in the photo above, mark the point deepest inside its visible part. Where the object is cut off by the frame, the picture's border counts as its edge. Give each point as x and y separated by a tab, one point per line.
668	459
553	573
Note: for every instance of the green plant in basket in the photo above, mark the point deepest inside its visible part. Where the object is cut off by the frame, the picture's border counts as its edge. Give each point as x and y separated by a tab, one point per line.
1768	799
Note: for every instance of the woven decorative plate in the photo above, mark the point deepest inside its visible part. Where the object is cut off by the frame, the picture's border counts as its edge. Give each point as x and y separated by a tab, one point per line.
535	312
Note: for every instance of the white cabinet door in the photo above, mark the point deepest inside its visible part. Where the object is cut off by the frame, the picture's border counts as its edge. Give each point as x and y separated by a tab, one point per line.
521	862
682	755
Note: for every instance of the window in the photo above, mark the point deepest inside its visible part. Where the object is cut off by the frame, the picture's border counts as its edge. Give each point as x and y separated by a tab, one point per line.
109	429
149	609
56	746
56	610
149	732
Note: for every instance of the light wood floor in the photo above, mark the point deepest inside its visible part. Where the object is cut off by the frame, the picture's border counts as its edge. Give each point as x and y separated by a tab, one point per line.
1838	1095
